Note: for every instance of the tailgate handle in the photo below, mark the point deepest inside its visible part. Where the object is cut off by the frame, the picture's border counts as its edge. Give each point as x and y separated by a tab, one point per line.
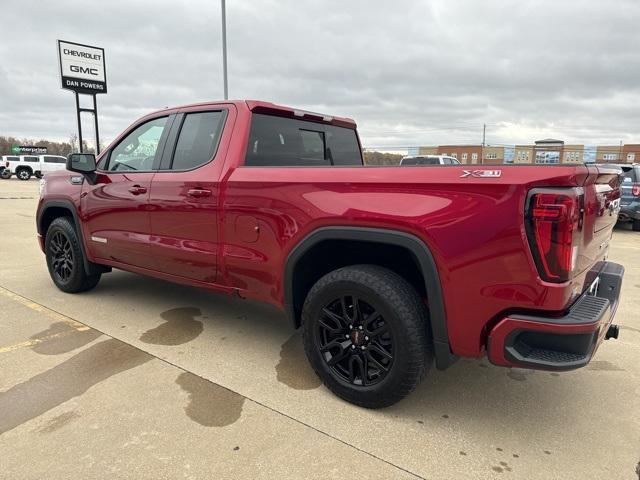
138	190
199	192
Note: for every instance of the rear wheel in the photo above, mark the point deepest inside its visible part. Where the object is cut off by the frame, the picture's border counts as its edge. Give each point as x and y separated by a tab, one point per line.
65	259
6	173
636	226
366	335
23	174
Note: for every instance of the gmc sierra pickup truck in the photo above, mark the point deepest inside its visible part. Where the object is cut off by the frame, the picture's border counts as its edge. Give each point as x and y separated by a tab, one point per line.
386	269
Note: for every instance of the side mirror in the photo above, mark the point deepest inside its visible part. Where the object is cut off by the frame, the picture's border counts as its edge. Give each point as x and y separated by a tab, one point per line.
84	163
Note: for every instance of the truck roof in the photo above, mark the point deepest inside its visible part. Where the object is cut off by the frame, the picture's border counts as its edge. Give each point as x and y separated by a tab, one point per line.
260	106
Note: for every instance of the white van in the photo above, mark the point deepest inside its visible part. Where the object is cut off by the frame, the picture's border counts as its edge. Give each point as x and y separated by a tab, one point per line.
429	160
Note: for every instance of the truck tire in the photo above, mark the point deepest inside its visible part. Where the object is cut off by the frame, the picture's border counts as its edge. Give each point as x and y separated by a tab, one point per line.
65	259
23	173
6	174
636	226
366	335
38	175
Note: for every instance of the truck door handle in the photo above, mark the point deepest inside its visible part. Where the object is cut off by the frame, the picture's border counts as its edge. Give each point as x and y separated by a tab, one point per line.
138	190
199	192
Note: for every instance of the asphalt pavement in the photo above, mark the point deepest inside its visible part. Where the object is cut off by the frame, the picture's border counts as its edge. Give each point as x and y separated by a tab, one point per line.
141	378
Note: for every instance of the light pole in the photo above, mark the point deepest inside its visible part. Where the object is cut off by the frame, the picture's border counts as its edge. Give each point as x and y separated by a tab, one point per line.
484	137
224	49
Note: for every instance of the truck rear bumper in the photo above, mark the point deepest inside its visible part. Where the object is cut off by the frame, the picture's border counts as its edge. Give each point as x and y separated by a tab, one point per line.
560	343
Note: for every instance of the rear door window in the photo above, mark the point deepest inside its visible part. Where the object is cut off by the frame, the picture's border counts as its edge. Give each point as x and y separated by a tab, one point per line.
286	142
31	159
198	139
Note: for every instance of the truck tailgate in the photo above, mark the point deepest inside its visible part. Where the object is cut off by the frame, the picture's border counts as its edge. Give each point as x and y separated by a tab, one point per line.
601	207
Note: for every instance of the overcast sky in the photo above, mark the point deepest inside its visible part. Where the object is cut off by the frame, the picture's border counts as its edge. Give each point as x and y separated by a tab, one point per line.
409	72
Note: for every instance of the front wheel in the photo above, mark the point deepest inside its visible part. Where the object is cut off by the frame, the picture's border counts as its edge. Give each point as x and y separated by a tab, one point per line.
6	174
65	259
366	335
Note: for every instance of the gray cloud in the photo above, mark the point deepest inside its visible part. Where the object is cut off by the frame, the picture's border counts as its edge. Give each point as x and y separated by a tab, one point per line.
409	72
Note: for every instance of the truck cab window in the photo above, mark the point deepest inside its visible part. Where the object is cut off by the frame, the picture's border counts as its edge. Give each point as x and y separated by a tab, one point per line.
288	142
137	150
314	144
198	139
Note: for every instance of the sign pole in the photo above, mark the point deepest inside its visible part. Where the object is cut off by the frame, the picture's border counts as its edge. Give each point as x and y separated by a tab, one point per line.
224	50
95	119
79	120
83	71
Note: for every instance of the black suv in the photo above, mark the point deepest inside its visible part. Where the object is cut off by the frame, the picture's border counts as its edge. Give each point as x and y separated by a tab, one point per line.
630	196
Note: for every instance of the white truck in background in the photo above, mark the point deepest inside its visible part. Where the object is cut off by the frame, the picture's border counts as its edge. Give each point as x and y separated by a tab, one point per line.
26	166
415	160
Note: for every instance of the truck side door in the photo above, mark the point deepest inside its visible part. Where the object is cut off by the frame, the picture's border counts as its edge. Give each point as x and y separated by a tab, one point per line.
115	206
184	199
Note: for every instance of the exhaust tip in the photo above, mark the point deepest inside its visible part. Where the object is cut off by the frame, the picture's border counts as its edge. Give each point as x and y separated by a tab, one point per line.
612	332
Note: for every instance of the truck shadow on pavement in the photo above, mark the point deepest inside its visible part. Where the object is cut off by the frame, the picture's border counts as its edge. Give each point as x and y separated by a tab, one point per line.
470	389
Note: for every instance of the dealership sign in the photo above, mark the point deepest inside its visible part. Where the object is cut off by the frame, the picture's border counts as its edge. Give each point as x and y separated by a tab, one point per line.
82	68
18	149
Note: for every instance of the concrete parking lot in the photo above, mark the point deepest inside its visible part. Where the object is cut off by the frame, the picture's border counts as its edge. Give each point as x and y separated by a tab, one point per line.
141	378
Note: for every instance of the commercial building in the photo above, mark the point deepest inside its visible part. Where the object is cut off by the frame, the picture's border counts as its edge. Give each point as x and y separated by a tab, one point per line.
546	151
631	152
464	153
523	153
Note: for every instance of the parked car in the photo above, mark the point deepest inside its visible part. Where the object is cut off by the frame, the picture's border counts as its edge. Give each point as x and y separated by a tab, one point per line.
630	196
26	166
385	269
429	160
4	159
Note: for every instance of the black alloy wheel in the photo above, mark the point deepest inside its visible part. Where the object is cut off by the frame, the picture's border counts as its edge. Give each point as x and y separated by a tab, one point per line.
62	260
355	341
366	334
65	258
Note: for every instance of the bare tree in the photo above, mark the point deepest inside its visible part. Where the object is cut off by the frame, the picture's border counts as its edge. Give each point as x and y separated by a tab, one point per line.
73	141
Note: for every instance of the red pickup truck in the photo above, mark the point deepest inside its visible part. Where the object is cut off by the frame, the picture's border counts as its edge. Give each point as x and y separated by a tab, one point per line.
386	269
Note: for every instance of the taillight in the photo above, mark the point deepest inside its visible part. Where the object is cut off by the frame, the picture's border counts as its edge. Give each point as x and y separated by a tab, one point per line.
553	218
636	190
